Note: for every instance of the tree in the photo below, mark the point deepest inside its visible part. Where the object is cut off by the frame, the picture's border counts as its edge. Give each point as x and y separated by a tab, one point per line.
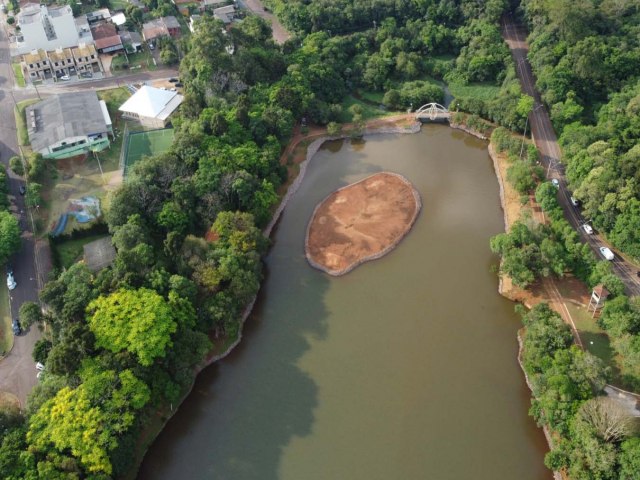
609	420
139	321
37	166
16	165
30	313
629	459
333	129
9	236
41	350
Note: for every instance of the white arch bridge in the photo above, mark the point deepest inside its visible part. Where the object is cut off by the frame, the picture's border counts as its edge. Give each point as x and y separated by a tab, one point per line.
432	111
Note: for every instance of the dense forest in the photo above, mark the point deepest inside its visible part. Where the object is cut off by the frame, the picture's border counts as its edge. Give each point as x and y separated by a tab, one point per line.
125	342
586	56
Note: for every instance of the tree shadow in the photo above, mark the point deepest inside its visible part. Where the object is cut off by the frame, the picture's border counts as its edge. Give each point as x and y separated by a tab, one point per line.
244	410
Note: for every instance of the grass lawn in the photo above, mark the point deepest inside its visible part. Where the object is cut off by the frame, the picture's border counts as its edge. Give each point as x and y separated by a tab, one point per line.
137	61
21	120
118	4
69	252
368	111
482	91
18	75
594	339
142	144
375	97
6	335
114	98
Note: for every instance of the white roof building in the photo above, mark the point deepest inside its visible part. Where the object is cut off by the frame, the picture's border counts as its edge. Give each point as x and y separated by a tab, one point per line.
119	18
151	106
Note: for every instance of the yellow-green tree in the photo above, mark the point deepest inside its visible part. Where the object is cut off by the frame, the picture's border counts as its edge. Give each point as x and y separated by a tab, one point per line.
139	321
85	422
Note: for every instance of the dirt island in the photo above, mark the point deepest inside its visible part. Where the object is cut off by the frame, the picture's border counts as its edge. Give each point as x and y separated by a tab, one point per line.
360	222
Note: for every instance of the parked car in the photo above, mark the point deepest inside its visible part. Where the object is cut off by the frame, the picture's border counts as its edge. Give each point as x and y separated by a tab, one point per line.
173	80
555	182
22	189
65	77
606	253
575	202
39	366
15	325
179	84
587	229
11	283
86	75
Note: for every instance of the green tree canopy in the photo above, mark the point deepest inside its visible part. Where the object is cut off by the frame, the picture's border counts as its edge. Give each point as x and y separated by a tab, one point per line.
139	321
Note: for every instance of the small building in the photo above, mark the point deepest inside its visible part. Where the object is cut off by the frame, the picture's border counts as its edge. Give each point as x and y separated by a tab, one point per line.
66	125
132	41
226	14
86	58
98	16
84	30
598	297
99	254
161	27
106	38
35	65
62	62
211	4
119	19
139	4
192	22
151	106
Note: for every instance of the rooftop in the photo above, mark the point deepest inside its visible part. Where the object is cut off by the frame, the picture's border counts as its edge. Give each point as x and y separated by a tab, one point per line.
171	22
84	50
35	56
152	102
60	11
67	115
60	54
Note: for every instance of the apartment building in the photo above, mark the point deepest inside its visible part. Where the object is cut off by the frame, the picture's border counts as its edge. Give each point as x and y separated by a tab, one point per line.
45	28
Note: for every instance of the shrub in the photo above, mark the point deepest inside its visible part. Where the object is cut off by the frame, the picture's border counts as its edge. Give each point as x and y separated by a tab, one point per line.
16	165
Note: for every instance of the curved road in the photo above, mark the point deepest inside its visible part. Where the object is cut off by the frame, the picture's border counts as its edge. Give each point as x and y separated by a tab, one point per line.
545	140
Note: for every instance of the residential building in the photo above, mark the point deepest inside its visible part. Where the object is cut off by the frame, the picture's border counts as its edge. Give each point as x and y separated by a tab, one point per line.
132	41
62	62
35	65
226	14
161	27
67	125
151	106
45	28
140	4
106	38
86	58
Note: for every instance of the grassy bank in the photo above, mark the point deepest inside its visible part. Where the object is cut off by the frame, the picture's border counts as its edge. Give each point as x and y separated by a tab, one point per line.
18	75
21	120
71	251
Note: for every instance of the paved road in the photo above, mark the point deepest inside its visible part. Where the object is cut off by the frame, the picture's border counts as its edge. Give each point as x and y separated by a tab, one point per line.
545	139
17	370
280	35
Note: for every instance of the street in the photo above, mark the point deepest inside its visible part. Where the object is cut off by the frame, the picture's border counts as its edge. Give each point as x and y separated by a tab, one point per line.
17	370
545	140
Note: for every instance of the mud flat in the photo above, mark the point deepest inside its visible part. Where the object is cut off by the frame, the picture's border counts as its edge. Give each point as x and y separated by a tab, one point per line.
361	222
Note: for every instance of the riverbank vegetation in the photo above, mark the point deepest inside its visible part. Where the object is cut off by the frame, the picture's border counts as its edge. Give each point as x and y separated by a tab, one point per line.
126	341
593	436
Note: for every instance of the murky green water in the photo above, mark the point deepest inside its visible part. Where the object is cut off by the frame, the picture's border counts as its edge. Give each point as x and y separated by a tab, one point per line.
403	369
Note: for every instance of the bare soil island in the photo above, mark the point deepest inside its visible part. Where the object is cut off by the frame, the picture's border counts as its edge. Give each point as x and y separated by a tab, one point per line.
360	222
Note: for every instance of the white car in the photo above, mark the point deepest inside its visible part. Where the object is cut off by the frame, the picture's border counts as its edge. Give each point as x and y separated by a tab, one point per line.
575	202
11	283
39	366
65	77
587	228
555	182
606	253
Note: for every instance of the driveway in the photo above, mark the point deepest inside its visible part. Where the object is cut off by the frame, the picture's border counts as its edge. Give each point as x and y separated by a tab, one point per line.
545	140
280	35
17	369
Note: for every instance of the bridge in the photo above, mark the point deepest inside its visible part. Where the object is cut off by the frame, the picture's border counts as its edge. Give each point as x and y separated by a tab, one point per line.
432	111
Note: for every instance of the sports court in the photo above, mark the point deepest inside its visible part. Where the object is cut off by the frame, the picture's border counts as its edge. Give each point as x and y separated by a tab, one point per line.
145	144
